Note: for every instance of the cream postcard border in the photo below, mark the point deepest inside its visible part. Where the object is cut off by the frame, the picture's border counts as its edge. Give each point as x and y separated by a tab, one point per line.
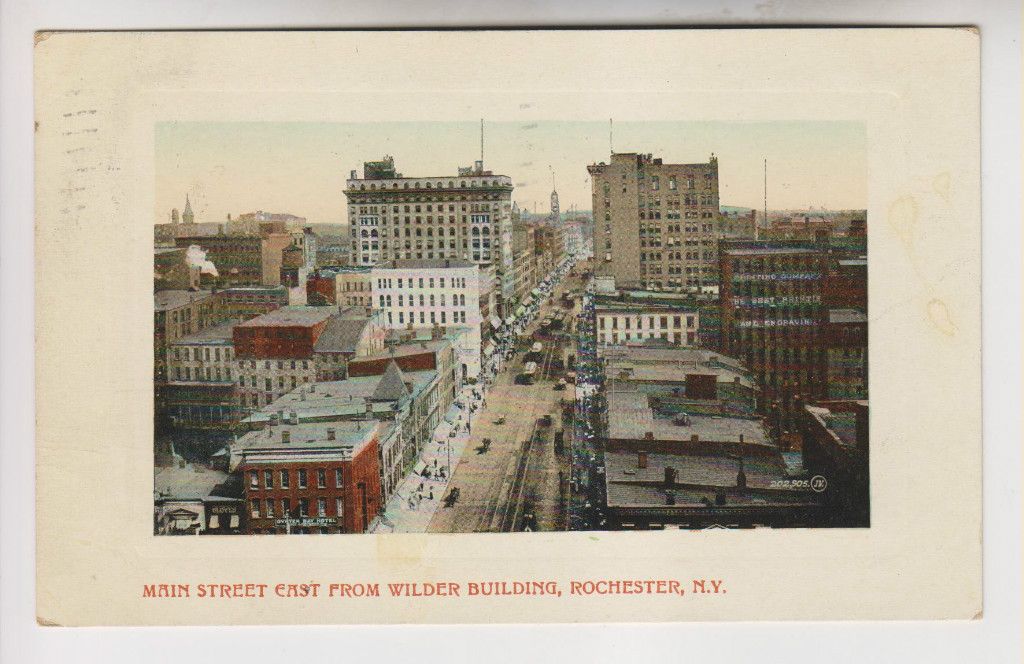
98	98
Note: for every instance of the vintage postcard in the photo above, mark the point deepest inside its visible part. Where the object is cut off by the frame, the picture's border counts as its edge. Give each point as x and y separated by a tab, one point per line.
509	326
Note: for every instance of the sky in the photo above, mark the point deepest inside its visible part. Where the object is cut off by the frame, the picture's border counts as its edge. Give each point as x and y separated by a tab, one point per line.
300	168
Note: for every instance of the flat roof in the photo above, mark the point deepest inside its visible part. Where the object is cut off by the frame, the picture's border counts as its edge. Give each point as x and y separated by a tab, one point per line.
193	482
847	316
349	437
218	334
341	335
630	417
292	316
423	264
174	299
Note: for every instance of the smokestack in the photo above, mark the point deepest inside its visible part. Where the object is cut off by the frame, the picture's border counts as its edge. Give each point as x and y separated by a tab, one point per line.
330	434
286	436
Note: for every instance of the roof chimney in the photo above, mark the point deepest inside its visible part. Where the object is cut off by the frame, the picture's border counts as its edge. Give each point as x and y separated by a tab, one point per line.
330	434
648	435
694	438
670	476
641	460
286	436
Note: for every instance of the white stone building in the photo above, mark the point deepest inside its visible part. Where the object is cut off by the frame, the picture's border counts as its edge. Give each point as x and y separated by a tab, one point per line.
432	294
621	323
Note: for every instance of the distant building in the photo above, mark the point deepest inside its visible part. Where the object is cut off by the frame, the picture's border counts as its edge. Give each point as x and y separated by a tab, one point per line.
172	271
465	216
322	288
311	477
291	265
243	260
655	223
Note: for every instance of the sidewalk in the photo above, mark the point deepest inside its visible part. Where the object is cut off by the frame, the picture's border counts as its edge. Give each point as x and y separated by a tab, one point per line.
411	508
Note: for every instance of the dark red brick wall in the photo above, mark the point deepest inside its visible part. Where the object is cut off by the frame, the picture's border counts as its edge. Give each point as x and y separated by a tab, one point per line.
324	286
363	478
276	342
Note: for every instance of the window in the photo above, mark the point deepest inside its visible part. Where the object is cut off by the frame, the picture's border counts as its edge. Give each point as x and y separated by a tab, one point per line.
303	507
270	508
321	507
255	508
339	507
284	479
321	478
254	479
302	478
286	507
268	479
337	478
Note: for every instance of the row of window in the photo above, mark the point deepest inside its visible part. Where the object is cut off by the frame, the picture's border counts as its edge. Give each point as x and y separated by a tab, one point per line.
458	300
266	509
457	317
675	337
284	478
456	282
627	324
383	209
374	233
436	185
200	353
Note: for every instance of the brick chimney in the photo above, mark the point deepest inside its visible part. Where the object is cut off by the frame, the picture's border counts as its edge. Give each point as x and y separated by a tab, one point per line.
641	460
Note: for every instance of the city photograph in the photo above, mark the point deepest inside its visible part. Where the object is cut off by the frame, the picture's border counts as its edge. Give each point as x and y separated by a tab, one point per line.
482	326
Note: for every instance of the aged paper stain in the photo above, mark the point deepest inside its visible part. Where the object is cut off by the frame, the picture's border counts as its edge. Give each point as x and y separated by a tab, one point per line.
938	312
903	218
941	185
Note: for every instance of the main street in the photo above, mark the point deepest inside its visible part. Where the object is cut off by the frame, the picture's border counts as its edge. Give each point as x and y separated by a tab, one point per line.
519	473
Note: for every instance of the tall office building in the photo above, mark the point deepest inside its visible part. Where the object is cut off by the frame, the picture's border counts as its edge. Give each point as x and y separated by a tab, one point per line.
655	223
465	216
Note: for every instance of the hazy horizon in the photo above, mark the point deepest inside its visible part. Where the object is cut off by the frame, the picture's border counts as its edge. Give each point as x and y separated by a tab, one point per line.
300	168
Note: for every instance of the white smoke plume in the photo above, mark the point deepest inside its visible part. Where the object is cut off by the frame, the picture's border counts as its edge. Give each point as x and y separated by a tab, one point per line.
197	257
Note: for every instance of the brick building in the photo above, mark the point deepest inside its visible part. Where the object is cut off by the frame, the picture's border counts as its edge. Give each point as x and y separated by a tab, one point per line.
311	477
243	260
322	288
655	224
837	448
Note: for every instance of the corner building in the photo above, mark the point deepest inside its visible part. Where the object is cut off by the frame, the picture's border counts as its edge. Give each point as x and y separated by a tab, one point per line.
655	223
466	216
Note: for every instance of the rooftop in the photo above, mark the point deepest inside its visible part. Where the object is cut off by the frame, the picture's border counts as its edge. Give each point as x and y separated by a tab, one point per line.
424	264
217	334
189	483
293	316
341	335
631	417
847	316
173	299
349	438
329	400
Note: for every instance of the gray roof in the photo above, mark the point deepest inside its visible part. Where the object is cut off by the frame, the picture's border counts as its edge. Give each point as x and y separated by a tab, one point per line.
218	334
291	316
392	385
847	316
341	335
424	263
173	299
630	417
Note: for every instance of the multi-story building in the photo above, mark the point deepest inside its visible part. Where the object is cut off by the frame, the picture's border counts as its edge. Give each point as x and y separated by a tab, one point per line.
178	313
349	335
773	317
465	216
411	403
424	294
353	286
836	449
655	223
549	248
243	260
244	302
637	321
311	477
172	271
200	391
274	352
322	288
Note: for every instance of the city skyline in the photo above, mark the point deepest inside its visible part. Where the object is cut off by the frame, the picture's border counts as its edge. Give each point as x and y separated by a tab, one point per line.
300	168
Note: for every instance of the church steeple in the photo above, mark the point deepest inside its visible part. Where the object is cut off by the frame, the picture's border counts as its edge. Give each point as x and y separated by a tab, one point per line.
187	215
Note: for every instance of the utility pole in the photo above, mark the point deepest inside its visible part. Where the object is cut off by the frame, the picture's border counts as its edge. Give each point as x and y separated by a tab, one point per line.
481	141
